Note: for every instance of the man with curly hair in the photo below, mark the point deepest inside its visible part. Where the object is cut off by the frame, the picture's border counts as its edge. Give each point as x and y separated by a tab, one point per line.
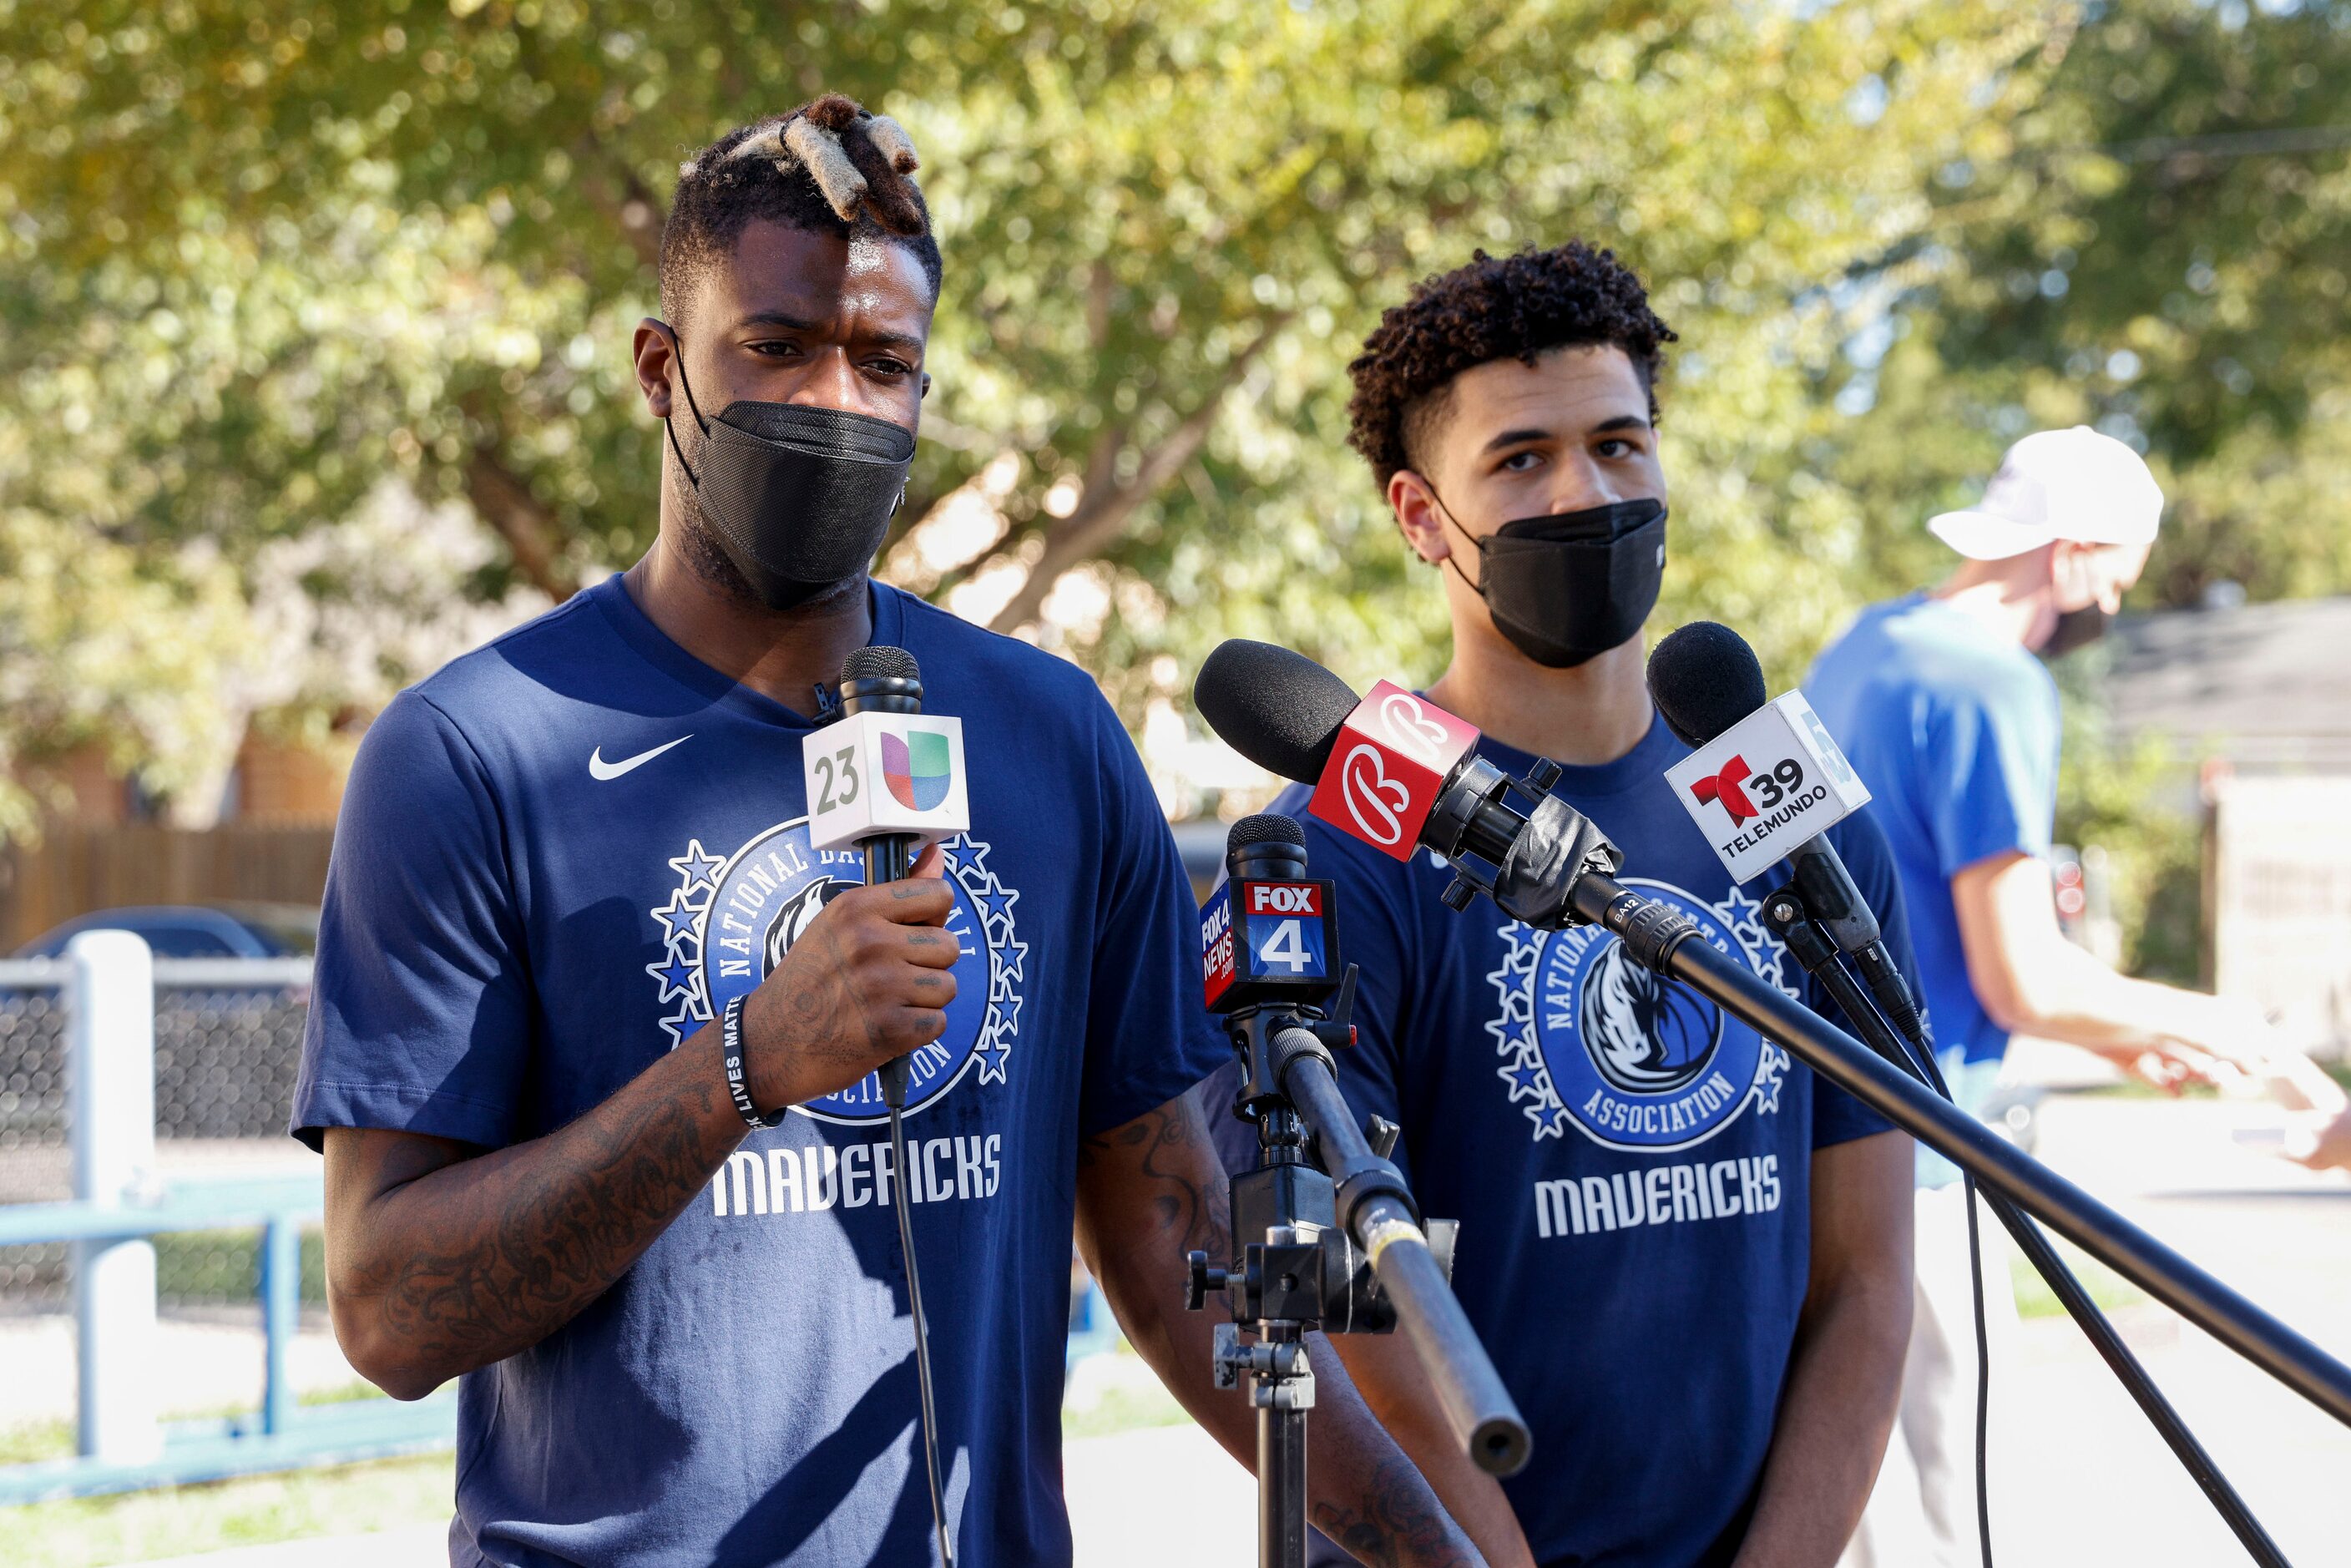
1689	1258
594	1046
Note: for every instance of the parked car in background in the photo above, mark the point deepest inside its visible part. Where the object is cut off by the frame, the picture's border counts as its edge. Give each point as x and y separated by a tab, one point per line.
195	930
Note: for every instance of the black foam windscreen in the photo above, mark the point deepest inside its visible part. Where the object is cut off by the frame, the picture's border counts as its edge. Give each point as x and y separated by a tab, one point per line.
1704	678
880	662
1265	828
1279	709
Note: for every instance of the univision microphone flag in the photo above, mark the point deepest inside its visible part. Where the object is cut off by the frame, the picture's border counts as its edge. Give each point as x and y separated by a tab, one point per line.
876	773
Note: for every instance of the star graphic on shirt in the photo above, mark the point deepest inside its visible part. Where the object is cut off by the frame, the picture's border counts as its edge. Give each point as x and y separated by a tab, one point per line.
1770	1074
1526	1079
1513	1027
676	974
677	916
696	866
965	857
996	905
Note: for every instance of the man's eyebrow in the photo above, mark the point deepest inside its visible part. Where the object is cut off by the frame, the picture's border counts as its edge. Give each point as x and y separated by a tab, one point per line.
791	322
776	319
1622	421
1514	437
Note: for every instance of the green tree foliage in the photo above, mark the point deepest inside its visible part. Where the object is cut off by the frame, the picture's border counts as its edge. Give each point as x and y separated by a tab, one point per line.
2160	246
264	259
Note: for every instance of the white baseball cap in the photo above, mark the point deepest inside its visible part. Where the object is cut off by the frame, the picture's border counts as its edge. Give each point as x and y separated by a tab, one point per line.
2058	485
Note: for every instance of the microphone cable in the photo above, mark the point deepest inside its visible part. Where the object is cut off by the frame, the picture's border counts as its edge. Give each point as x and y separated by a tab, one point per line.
894	1075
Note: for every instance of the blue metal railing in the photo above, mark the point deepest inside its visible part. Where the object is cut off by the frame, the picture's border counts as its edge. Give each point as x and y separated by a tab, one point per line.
121	1204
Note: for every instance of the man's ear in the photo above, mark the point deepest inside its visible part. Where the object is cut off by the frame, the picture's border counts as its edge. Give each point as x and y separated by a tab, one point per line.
926	386
656	349
1414	501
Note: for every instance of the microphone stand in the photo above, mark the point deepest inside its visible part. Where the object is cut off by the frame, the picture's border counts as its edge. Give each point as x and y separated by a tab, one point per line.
1343	1250
1789	913
1657	935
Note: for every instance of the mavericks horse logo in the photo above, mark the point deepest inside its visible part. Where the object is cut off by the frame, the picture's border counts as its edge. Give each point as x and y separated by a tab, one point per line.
1588	1037
728	922
1645	1034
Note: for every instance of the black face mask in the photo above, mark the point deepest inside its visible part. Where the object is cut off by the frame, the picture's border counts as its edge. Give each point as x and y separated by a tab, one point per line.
800	498
1571	585
2075	629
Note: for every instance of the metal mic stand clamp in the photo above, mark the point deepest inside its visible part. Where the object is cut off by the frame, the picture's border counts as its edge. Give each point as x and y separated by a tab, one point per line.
1301	1270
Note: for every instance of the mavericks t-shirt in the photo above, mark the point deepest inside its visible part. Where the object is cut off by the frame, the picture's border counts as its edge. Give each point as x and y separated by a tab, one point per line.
557	858
1630	1165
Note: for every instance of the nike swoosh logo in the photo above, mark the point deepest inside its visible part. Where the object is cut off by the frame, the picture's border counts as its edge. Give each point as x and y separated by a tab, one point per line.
600	770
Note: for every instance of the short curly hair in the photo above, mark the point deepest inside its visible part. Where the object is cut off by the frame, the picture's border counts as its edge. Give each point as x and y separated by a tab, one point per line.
826	167
1515	307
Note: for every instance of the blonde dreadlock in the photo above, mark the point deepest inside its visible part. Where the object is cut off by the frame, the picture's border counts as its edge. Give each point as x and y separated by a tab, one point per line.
828	166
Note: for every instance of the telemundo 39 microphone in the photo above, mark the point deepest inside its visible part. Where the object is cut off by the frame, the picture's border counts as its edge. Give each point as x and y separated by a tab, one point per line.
888	779
1552	868
1765	781
1399	773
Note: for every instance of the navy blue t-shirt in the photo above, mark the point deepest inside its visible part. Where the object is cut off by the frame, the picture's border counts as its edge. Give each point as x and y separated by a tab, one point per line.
1630	1166
556	858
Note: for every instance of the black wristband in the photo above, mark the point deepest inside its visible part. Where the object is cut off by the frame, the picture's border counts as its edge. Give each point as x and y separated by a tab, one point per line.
730	1043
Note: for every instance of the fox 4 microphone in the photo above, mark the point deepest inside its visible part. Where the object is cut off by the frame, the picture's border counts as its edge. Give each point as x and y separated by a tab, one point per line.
1764	782
1399	773
1266	935
885	777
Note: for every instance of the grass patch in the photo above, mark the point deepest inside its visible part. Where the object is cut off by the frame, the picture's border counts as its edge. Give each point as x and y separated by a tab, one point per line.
2035	1299
33	1441
254	1511
350	1499
1124	1408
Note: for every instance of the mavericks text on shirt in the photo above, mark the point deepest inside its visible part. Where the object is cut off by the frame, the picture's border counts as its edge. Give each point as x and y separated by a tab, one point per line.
1662	1195
786	1180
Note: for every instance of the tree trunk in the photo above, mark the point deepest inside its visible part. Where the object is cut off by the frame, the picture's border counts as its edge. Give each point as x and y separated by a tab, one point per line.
1105	504
533	537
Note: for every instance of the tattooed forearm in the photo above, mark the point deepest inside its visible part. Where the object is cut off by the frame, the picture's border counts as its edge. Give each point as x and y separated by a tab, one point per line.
1163	1163
451	1263
1394	1521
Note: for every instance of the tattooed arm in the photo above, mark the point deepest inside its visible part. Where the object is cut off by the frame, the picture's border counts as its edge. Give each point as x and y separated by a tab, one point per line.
441	1259
1148	1193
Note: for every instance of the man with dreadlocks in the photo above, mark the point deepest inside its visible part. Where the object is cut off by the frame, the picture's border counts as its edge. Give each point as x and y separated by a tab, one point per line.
1689	1258
573	871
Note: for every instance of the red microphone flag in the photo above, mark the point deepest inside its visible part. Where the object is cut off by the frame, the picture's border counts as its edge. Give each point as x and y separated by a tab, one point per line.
1387	767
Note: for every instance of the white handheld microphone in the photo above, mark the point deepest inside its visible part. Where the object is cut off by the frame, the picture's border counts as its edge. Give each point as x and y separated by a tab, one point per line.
885	776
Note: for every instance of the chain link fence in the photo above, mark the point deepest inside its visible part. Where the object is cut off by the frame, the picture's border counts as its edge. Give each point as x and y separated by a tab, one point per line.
225	1058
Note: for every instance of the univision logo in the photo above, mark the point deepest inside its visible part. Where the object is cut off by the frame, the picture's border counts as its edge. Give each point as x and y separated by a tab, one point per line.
918	769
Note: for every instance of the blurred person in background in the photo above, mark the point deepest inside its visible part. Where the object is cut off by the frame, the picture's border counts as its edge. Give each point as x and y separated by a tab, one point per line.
1947	712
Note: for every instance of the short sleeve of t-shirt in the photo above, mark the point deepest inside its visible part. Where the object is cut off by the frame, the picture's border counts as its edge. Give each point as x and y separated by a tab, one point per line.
420	1006
1989	780
1837	1116
1148	1038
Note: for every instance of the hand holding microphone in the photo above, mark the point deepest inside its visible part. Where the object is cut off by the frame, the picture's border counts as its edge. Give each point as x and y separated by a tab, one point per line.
867	982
